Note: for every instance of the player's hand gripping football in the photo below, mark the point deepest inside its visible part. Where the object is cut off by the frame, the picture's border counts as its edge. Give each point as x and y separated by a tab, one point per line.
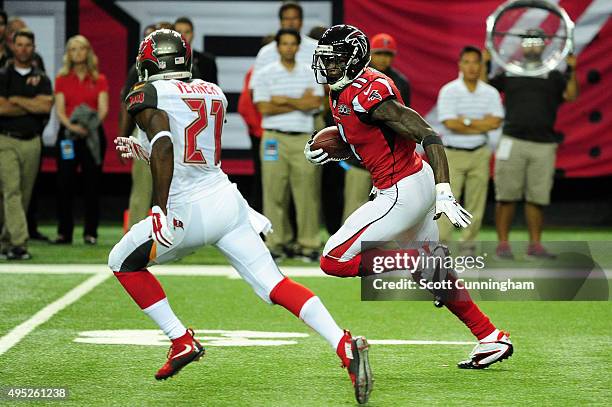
130	147
159	227
317	157
448	205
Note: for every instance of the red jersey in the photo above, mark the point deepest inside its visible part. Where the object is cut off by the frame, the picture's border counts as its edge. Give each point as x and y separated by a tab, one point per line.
77	92
388	156
247	108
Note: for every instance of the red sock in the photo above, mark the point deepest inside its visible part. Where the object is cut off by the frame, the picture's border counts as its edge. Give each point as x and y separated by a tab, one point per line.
467	311
290	295
142	286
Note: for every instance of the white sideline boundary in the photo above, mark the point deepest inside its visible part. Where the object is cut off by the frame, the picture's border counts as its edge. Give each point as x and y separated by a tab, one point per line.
161	270
20	331
229	272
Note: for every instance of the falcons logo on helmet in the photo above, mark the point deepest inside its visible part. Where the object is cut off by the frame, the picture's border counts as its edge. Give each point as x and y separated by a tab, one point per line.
147	51
358	39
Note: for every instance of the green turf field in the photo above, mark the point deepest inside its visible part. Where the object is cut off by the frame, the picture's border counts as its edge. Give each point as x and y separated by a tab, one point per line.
44	253
562	349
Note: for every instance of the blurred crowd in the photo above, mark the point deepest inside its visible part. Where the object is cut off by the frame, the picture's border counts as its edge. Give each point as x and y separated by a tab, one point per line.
282	105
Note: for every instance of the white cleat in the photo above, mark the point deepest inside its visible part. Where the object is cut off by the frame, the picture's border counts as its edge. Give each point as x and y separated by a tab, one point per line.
486	353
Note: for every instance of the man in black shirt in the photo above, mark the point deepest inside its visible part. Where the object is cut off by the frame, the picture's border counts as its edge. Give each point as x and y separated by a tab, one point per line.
16	24
525	157
25	102
204	65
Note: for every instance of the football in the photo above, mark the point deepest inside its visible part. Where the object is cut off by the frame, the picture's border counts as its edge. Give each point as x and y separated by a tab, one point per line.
331	142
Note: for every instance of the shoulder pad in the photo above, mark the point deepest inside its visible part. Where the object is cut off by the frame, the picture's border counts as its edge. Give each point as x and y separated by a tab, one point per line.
142	96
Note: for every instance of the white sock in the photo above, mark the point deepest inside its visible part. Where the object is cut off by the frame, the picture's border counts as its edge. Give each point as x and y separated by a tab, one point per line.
316	316
162	314
492	337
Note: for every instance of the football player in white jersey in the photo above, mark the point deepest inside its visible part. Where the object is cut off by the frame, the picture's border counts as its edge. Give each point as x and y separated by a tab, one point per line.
195	205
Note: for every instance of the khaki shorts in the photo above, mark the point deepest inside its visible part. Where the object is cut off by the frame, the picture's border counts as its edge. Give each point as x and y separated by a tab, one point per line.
524	169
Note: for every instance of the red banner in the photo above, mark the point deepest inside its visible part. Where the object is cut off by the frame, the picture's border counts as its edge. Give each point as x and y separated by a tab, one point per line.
430	34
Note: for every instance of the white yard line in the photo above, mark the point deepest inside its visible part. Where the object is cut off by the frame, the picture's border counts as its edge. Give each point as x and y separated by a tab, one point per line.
19	332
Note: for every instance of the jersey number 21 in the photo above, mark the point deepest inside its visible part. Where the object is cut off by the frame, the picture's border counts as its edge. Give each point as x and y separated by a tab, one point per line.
193	154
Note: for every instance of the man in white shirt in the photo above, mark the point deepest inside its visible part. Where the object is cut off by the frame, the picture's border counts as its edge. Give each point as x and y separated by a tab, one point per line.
288	96
468	108
291	16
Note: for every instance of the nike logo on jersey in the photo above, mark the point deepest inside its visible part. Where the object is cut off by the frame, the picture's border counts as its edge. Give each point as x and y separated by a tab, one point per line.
188	348
367	91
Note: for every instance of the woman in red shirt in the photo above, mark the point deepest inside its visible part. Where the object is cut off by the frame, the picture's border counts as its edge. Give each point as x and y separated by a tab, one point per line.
81	102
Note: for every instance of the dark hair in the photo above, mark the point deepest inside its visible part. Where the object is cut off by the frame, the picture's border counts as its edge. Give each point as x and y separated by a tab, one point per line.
164	25
289	31
470	48
24	33
184	20
317	32
287	5
4	15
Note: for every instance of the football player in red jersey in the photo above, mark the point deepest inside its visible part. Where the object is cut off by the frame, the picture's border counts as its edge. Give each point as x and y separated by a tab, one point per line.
382	133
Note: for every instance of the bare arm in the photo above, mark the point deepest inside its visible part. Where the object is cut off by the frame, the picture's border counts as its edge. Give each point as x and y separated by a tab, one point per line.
126	123
308	101
409	124
10	109
478	126
486	59
37	105
102	105
487	123
457	126
152	121
60	111
270	109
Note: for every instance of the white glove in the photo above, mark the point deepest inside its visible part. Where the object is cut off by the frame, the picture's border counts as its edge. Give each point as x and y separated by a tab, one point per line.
448	205
130	147
317	157
159	227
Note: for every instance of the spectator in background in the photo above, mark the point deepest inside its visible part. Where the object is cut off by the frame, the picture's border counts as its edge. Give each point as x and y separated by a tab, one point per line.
4	50
142	183
204	62
332	177
291	16
251	116
357	182
287	97
81	94
6	54
468	108
25	102
384	49
526	153
16	24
